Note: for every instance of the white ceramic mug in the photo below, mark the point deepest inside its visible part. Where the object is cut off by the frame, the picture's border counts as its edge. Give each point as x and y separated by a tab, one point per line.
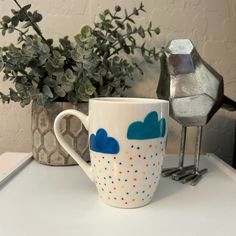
127	141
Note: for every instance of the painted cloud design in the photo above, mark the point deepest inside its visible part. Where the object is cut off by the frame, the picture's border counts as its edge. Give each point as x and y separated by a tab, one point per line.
100	142
148	129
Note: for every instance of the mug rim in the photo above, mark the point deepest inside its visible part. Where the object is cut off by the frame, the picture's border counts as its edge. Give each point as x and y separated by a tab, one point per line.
129	100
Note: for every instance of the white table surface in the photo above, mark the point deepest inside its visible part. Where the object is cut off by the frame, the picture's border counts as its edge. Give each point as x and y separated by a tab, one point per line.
61	201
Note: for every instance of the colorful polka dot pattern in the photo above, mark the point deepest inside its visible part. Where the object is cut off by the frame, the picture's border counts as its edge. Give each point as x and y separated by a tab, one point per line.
129	179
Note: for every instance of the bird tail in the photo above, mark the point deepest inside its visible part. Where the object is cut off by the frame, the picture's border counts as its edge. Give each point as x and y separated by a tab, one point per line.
228	104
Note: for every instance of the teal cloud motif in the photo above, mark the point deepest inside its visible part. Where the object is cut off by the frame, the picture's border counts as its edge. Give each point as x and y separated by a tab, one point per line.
148	129
100	142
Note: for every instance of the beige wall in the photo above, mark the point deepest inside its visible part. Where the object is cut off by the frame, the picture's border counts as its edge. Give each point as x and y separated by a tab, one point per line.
211	24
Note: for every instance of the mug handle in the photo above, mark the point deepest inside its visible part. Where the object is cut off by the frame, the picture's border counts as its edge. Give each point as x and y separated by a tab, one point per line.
85	120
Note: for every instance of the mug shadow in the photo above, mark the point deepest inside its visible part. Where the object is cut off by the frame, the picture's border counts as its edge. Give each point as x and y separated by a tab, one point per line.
167	188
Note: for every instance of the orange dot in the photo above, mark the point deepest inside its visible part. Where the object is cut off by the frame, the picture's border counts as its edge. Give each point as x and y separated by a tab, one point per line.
131	158
120	172
126	152
135	179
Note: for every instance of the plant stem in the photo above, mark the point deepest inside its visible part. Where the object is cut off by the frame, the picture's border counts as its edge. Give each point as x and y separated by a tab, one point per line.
124	37
123	21
16	30
35	27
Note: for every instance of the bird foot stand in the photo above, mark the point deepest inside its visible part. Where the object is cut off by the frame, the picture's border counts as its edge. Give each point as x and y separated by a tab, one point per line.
183	173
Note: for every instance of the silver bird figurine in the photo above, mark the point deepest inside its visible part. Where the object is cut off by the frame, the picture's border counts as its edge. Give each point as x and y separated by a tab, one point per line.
195	92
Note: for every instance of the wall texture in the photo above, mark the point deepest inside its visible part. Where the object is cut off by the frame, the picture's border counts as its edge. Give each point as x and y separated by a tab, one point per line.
211	24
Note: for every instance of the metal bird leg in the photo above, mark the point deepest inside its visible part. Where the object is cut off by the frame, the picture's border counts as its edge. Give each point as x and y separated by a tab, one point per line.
194	175
187	173
197	173
180	170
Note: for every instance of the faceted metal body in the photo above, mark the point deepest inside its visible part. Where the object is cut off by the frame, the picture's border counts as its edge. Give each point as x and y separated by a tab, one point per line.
194	88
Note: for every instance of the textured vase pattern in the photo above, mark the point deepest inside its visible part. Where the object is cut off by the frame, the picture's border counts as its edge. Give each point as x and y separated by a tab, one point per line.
46	149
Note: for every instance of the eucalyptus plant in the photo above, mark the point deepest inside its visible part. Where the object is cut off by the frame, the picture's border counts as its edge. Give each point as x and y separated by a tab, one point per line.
93	64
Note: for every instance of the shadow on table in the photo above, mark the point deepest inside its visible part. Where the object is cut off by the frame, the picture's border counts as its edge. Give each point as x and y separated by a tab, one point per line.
167	188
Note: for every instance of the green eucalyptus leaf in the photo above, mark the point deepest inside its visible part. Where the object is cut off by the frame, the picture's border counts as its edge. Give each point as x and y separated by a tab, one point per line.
91	41
135	11
72	97
5	98
102	17
67	86
89	88
25	101
36	17
50	82
19	87
6	19
26	7
14	95
85	31
3	32
157	30
59	91
126	13
22	15
5	26
117	8
129	28
1	61
70	76
15	20
14	12
10	30
126	49
78	38
141	31
106	12
47	91
150	26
